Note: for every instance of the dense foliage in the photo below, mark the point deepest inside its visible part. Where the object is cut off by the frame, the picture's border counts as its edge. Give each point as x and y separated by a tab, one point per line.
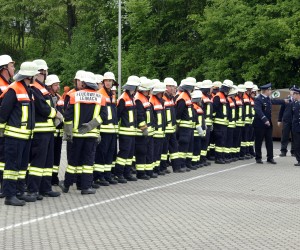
236	39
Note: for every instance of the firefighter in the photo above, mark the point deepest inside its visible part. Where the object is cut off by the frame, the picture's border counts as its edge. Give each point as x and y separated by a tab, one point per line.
240	121
156	100
7	70
199	127
170	143
105	150
246	130
52	85
221	121
42	146
83	116
99	81
77	86
184	120
17	124
211	147
231	107
145	123
251	134
126	110
207	106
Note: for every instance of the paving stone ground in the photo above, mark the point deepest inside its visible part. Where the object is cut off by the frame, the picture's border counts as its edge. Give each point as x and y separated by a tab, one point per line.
236	206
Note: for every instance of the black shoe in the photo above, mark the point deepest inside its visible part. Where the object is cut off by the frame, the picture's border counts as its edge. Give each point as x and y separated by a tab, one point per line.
27	198
63	187
211	158
131	178
187	169
206	163
272	161
51	194
154	176
241	158
282	154
14	201
227	161
95	185
297	164
180	170
120	179
102	182
219	162
112	181
259	161
2	195
161	172
192	168
143	177
88	191
167	171
38	196
247	157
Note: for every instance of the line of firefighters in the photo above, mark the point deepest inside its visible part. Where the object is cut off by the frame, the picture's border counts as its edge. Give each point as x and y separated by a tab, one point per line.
151	126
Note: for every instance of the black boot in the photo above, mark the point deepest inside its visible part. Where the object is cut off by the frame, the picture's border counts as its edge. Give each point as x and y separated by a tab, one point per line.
88	191
63	187
14	201
26	198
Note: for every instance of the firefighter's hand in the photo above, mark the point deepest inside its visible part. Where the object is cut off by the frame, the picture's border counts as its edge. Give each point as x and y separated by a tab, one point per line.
87	127
145	132
68	132
59	116
99	139
199	129
1	132
57	121
267	123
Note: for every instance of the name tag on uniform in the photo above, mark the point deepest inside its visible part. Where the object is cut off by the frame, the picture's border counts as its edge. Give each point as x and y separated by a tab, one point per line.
87	97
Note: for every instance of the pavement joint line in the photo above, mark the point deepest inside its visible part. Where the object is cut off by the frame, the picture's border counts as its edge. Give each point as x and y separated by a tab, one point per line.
71	210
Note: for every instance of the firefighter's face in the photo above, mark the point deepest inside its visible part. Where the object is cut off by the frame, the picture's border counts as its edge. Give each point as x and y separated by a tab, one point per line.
55	87
108	83
11	68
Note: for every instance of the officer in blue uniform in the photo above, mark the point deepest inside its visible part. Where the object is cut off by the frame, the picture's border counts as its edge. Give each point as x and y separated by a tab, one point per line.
263	122
296	123
285	118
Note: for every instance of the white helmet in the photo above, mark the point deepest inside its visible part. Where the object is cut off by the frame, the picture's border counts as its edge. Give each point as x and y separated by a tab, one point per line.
88	77
187	82
206	84
98	78
217	84
249	85
41	64
196	94
5	59
191	81
159	88
170	81
241	88
146	84
143	78
109	76
233	90
198	85
227	83
51	79
79	75
255	88
27	69
133	81
155	81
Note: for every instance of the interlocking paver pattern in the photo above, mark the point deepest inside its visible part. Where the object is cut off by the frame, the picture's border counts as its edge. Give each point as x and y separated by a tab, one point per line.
251	207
